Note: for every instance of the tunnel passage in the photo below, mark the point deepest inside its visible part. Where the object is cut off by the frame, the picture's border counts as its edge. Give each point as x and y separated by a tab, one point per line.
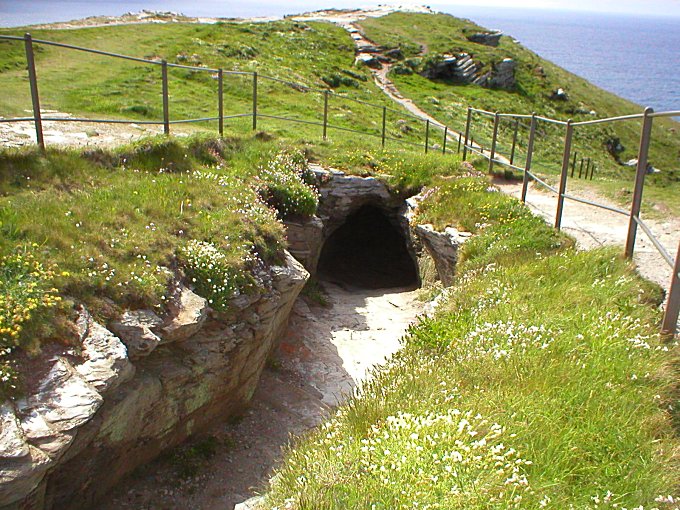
369	252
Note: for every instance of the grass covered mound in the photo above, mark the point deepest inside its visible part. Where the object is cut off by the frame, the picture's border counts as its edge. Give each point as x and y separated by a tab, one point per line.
115	229
540	382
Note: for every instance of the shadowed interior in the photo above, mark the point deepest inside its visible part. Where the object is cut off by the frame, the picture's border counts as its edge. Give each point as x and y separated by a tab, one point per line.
368	251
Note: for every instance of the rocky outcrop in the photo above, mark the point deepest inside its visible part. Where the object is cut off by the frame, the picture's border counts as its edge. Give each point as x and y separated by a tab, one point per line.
486	38
559	95
502	75
369	60
305	239
341	194
93	419
443	248
457	68
463	69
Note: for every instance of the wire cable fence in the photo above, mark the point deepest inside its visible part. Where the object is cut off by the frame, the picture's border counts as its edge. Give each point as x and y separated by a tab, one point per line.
506	139
567	166
248	94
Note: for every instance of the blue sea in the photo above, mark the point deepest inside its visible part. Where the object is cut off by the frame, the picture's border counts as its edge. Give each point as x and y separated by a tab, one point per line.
636	57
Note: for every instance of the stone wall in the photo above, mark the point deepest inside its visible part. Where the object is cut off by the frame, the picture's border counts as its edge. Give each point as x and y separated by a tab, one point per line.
129	396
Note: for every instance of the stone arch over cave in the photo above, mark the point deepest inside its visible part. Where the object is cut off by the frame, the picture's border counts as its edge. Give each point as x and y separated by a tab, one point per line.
369	250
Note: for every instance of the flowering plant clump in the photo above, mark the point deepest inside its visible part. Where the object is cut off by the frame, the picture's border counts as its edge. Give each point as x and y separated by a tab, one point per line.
286	184
25	291
450	459
217	276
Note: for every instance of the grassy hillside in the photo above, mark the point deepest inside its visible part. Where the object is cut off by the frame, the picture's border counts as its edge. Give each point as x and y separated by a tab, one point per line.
423	36
312	54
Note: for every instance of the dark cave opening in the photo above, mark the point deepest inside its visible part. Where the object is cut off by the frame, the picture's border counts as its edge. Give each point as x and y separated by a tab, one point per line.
368	252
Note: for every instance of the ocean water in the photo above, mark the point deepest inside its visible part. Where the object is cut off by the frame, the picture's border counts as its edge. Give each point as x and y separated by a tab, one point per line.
636	57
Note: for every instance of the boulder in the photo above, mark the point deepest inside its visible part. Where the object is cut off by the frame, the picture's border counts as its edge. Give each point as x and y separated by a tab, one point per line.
136	329
443	248
394	53
187	313
559	95
368	60
486	38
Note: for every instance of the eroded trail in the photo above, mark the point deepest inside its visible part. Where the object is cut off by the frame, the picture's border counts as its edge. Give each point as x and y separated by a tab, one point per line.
325	353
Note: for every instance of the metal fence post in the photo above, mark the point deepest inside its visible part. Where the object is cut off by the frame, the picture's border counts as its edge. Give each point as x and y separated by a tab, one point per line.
645	135
220	100
573	164
35	97
325	113
492	154
670	316
530	151
592	171
166	102
563	176
467	132
460	137
446	134
427	135
254	100
580	169
384	123
514	142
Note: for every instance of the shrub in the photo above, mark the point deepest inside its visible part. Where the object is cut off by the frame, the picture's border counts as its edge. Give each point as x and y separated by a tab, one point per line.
215	274
286	184
26	293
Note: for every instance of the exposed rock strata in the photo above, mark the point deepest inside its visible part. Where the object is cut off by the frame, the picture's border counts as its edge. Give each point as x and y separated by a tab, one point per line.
94	419
443	248
486	38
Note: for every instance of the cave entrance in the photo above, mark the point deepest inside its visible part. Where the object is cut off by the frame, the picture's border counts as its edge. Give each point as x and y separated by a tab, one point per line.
368	251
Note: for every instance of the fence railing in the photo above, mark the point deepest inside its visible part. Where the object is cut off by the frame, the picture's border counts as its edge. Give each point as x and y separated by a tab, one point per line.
670	320
462	139
256	112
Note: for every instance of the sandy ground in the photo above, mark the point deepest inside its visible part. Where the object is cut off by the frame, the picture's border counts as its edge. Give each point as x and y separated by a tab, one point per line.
326	352
75	134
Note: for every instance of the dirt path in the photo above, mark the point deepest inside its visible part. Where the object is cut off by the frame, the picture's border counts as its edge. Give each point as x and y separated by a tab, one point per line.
76	134
326	352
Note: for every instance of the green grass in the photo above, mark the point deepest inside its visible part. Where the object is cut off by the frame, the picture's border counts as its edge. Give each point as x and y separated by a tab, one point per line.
541	382
97	86
114	229
536	79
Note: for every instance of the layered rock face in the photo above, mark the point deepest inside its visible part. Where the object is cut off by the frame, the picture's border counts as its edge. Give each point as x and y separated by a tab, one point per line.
93	418
463	69
486	38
